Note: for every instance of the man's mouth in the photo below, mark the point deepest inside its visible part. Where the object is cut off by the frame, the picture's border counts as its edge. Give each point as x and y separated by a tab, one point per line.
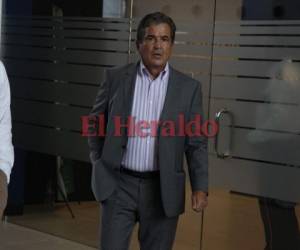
157	55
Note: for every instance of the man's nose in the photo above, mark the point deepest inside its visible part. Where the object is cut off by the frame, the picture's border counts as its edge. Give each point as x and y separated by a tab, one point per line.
157	43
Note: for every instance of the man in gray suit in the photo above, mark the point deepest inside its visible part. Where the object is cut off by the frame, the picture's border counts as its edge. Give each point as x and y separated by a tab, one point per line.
6	147
137	143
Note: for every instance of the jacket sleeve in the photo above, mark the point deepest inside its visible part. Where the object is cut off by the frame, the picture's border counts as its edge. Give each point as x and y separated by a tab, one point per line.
196	148
6	147
100	107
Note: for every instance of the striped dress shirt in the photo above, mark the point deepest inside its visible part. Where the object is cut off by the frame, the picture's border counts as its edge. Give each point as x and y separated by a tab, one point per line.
148	101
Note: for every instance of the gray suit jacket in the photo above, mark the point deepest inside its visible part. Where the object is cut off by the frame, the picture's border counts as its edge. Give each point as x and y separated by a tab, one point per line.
114	98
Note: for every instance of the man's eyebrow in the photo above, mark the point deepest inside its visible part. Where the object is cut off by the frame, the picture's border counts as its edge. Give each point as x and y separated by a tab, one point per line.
163	36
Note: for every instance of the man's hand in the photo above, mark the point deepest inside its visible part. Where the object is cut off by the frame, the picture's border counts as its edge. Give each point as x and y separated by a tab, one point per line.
3	192
199	200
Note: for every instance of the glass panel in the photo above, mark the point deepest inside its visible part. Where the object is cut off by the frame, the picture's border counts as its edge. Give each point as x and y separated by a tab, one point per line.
255	76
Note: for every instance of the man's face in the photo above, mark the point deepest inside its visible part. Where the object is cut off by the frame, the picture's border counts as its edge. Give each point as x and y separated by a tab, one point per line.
156	47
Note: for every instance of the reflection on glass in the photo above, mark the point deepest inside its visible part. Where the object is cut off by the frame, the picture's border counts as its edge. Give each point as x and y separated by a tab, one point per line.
188	10
271	10
282	91
116	8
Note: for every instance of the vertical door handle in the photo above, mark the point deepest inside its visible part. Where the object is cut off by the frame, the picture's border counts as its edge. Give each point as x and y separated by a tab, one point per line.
218	116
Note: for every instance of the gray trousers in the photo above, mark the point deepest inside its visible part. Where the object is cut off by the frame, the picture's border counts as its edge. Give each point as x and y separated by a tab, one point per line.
136	200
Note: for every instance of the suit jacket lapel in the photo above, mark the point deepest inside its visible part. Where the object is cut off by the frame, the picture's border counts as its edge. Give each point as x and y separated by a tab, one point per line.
172	94
170	100
129	85
128	94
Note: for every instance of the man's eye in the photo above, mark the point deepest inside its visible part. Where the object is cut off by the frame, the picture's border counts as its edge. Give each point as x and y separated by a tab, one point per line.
149	38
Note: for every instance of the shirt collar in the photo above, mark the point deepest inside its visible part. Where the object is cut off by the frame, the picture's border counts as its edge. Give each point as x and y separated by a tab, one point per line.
144	71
